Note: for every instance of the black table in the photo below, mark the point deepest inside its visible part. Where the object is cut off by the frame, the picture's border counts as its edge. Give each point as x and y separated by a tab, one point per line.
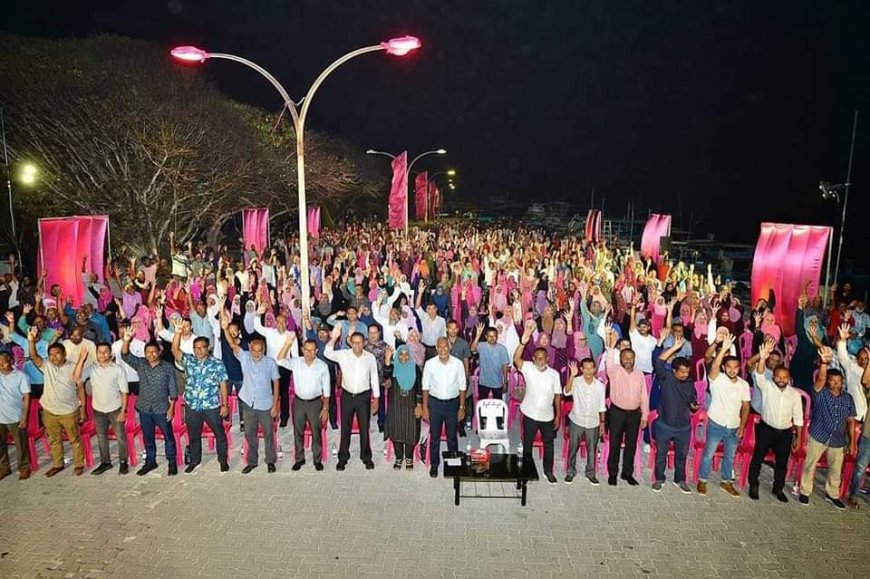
501	468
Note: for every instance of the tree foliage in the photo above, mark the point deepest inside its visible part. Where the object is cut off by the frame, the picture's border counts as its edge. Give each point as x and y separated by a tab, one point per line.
117	128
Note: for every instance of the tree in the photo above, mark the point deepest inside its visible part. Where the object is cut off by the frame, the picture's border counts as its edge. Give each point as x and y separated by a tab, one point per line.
117	128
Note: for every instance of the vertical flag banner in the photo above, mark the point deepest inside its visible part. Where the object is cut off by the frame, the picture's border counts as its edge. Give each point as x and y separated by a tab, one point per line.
398	203
314	222
593	226
64	243
255	228
786	257
421	197
657	226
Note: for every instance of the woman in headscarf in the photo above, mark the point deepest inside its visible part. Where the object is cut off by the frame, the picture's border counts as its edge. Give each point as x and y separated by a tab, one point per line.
418	350
405	404
697	331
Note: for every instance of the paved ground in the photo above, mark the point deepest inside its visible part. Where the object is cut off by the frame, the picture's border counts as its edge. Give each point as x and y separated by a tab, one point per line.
388	525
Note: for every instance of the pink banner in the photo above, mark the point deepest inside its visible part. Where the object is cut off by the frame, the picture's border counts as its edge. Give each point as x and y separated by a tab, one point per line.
434	200
397	209
657	226
314	222
786	257
255	228
593	226
64	243
421	196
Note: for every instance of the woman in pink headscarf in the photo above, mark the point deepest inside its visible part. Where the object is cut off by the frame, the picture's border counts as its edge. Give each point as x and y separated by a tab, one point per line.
697	332
142	322
418	351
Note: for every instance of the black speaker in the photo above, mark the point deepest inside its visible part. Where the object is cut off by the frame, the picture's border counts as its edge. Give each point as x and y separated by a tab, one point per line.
665	244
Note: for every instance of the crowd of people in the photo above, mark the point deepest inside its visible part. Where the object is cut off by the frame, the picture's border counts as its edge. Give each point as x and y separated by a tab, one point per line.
411	330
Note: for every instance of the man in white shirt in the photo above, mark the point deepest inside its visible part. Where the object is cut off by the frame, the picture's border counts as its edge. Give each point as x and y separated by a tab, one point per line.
854	369
275	339
109	400
63	404
726	417
434	326
542	402
444	389
393	325
781	416
311	399
642	342
137	348
76	343
361	390
586	419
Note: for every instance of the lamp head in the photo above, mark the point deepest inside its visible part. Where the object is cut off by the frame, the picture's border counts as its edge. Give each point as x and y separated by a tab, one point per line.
402	45
441	151
189	54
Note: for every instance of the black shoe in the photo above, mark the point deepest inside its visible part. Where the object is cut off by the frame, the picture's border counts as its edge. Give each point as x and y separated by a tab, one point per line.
146	468
102	468
297	465
753	492
569	478
804	499
241	426
551	478
225	467
270	468
173	469
248	468
124	468
630	480
341	465
780	496
835	501
611	480
369	465
191	467
318	466
592	480
433	472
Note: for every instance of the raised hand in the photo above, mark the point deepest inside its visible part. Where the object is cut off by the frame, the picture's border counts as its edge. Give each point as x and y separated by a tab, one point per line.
573	370
843	331
479	330
10	319
336	332
32	334
826	354
728	341
27	308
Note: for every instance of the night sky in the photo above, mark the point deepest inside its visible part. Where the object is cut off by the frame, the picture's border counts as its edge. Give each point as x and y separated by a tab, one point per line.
729	112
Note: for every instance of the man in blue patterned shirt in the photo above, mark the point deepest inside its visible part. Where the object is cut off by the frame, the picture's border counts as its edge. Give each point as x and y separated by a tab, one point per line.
831	431
205	395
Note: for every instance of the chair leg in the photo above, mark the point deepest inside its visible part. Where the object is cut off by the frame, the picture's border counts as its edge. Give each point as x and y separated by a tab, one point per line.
34	458
131	450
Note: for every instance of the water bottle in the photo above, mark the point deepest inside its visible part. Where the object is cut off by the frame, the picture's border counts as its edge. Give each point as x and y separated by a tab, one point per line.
280	453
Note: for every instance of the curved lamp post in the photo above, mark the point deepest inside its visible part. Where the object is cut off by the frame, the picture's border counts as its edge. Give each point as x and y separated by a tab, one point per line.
410	165
299	112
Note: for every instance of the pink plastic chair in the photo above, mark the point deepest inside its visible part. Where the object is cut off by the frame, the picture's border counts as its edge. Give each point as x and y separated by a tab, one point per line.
701	370
746	447
425	456
849	465
34	432
515	380
179	429
701	392
132	428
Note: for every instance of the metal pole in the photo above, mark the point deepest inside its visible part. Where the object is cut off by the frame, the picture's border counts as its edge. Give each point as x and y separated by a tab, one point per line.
9	186
846	196
828	273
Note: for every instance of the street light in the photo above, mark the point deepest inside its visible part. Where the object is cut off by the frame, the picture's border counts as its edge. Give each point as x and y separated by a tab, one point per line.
28	174
298	113
410	165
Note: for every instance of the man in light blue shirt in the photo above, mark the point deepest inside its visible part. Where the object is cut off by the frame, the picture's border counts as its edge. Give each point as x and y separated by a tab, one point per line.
14	410
34	376
494	363
259	398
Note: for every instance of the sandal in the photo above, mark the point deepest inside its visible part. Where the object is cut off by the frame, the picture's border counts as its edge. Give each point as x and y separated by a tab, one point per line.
409	464
397	465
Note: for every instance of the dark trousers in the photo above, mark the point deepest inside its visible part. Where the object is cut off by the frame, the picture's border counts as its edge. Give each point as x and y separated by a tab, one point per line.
333	408
307	412
767	438
19	437
382	410
623	423
664	435
487	392
359	406
149	423
194	420
133	388
404	450
548	434
284	392
442	413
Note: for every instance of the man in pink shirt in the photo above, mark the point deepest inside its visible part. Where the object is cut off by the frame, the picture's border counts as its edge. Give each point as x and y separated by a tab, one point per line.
629	407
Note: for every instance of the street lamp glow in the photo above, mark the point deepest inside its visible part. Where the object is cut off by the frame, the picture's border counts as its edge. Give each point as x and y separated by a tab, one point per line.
402	45
441	151
28	174
451	172
189	54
